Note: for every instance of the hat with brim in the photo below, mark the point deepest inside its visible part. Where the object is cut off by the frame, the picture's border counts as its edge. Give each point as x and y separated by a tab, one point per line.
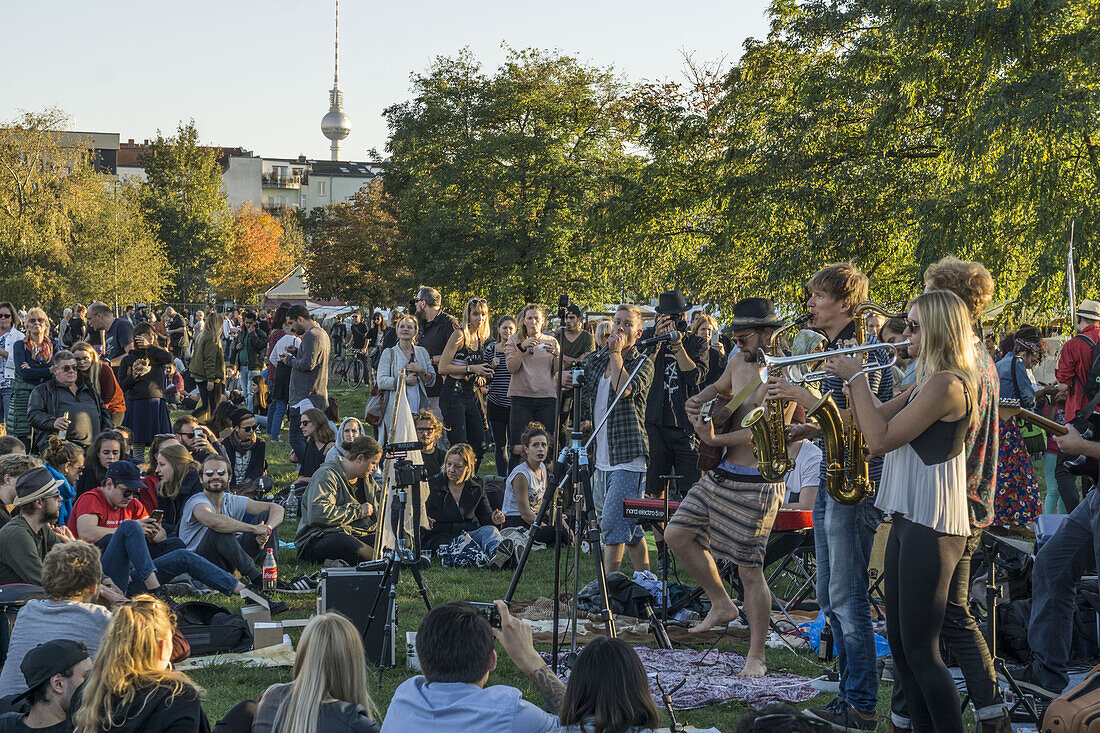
755	313
35	484
671	303
1089	310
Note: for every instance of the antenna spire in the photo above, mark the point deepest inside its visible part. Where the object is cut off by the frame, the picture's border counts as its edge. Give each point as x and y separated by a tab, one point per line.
336	65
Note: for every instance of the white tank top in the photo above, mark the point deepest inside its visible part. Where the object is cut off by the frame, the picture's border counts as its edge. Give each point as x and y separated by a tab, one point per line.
536	487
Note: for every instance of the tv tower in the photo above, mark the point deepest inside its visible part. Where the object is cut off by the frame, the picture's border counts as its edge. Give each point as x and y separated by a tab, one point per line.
336	125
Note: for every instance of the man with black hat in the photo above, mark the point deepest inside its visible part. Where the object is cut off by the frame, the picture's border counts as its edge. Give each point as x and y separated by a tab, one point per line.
53	670
680	367
728	514
26	539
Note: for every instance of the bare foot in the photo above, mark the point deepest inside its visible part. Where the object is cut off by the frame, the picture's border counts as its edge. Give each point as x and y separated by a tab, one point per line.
719	615
753	668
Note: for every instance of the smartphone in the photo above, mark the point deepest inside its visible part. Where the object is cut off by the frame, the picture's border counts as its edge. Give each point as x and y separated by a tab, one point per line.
200	434
157	515
489	611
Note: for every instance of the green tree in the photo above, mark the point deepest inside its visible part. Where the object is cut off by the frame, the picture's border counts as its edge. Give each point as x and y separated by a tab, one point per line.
356	252
496	176
186	206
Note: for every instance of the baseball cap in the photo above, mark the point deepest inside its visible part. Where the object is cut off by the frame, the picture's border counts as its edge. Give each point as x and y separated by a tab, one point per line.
50	658
125	474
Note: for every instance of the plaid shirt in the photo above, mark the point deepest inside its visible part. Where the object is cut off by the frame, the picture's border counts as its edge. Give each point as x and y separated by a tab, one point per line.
626	435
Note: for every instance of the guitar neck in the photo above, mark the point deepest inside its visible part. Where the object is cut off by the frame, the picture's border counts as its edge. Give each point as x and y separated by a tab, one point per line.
1035	419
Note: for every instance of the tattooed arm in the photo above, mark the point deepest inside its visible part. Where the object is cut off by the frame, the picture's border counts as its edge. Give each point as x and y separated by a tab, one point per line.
515	635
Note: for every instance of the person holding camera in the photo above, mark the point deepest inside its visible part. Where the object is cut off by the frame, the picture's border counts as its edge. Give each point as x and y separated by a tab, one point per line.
197	439
532	358
333	525
416	364
454	645
249	352
465	371
142	382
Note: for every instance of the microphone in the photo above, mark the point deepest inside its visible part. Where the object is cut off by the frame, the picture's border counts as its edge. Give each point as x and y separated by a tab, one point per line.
647	343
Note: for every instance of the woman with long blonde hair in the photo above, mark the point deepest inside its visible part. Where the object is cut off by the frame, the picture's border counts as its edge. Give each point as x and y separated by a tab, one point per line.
131	686
31	357
179	481
101	376
923	487
465	371
329	691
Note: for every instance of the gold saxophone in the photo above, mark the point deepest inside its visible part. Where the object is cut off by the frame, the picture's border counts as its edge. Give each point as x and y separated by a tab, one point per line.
768	422
853	485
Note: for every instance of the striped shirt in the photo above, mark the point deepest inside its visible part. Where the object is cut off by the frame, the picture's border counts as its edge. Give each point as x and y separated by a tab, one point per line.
498	385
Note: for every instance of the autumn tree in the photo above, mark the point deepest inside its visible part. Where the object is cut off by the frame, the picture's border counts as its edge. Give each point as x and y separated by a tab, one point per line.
356	252
255	257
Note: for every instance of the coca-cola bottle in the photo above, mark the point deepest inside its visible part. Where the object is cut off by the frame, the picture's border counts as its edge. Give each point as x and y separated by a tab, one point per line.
271	571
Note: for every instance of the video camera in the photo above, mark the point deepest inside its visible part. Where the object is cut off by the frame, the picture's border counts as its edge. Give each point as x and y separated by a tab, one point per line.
405	472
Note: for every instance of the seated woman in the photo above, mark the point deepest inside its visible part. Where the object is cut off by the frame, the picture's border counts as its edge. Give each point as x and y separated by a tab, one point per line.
132	685
64	461
320	438
428	431
333	525
526	484
457	506
608	691
329	690
104	450
349	430
802	480
148	495
179	481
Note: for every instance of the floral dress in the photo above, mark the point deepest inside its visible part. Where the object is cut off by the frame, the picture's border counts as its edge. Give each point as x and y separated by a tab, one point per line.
1017	501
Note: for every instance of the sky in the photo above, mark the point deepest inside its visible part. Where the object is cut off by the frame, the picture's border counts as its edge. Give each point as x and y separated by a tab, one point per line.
256	75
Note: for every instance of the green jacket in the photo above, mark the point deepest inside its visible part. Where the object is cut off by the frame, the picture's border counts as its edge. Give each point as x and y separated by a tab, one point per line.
329	507
21	551
208	360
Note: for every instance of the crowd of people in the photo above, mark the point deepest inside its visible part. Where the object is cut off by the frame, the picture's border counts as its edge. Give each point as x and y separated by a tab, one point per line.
106	498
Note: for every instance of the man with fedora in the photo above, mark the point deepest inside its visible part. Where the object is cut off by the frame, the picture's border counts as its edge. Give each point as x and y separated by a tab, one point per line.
26	539
53	671
1073	367
728	514
680	366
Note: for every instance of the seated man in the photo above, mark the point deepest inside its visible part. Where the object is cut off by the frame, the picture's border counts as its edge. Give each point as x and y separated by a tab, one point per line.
212	519
455	647
333	525
25	540
196	438
10	444
11	468
70	610
110	518
1066	556
246	451
52	672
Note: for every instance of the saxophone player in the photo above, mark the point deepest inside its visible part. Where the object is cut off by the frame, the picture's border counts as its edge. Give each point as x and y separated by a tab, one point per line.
844	533
728	514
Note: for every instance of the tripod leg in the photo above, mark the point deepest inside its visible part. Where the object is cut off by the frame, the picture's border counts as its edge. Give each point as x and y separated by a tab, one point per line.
595	545
557	584
393	572
420	585
548	500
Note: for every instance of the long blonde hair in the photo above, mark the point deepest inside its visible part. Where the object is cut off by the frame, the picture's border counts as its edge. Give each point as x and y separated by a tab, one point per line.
182	464
330	665
483	332
947	340
129	659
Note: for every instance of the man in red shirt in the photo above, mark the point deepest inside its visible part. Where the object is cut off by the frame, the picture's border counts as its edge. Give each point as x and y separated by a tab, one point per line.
1073	367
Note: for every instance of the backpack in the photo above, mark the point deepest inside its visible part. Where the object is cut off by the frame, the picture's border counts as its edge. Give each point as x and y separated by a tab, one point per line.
210	629
1091	383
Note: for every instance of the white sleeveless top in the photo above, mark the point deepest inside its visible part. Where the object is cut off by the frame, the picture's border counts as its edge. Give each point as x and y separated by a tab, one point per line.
536	487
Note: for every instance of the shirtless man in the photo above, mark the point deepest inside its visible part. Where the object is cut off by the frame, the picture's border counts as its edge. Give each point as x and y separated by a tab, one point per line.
729	513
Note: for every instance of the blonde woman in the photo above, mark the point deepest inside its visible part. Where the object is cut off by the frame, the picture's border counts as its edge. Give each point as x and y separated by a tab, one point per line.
208	365
532	358
102	378
603	332
179	481
329	691
465	371
132	686
414	361
923	487
705	327
32	358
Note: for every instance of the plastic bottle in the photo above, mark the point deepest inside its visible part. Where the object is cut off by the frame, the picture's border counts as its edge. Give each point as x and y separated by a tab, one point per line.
271	571
64	433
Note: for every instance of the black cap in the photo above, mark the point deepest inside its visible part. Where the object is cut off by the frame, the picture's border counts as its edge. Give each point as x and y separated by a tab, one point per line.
50	658
125	474
755	313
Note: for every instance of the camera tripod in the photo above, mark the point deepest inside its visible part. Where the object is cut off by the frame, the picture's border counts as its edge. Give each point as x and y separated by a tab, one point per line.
573	467
401	555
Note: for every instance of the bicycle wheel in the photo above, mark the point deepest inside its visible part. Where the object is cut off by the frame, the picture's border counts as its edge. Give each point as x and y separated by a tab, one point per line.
355	373
334	369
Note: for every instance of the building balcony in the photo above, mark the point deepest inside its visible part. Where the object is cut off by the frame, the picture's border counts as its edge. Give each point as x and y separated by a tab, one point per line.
276	181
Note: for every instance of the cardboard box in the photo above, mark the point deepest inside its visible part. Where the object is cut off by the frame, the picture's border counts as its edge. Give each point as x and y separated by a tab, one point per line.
253	614
267	633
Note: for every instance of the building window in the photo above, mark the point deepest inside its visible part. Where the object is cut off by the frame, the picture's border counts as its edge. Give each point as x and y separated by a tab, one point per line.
322	188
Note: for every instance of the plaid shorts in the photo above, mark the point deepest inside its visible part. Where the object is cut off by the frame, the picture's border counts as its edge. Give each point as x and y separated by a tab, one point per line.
731	515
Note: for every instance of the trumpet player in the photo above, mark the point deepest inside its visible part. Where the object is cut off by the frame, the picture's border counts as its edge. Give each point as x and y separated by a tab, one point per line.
728	514
844	533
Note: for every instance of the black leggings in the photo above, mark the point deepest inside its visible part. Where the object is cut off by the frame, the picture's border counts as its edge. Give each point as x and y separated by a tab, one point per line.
502	443
337	546
919	565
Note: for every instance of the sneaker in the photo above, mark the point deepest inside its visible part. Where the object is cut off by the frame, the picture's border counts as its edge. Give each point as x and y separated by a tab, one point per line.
844	717
503	554
1029	682
303	584
251	595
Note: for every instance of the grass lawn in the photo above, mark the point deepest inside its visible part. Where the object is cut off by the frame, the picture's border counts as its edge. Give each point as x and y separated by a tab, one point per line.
227	685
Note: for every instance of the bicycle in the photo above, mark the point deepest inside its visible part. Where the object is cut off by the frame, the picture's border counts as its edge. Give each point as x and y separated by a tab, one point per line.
357	370
338	369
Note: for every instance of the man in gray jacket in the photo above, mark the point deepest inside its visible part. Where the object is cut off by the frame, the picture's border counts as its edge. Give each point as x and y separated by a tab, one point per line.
66	406
308	371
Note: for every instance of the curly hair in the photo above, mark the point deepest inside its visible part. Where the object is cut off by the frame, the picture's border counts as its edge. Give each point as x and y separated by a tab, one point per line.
70	570
970	281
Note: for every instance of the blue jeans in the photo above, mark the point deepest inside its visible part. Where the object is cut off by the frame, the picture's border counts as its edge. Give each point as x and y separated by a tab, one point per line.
296	438
124	548
487	538
5	398
276	412
843	537
1059	565
615	529
246	386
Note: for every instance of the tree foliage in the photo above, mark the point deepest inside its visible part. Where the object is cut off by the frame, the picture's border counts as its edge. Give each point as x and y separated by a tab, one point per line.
186	206
356	252
255	257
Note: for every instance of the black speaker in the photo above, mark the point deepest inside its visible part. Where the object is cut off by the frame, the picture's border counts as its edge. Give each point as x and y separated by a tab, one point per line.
353	592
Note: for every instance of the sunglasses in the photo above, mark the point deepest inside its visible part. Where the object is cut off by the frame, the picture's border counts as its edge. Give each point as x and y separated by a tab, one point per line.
215	472
248	429
130	493
913	326
5	315
304	422
66	368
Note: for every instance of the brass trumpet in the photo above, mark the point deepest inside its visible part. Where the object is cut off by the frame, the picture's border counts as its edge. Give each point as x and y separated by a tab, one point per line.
787	363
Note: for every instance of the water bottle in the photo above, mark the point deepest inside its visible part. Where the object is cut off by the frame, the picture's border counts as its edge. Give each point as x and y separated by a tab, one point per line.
271	571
